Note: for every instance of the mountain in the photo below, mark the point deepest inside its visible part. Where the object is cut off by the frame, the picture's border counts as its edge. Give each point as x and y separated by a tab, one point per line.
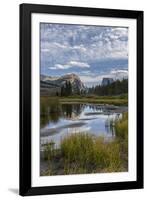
107	81
58	82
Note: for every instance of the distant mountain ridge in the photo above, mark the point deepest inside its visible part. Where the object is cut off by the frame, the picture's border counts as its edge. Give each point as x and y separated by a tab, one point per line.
51	81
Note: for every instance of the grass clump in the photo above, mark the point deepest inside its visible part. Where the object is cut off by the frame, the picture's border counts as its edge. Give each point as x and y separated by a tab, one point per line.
84	153
121	127
78	148
49	151
121	131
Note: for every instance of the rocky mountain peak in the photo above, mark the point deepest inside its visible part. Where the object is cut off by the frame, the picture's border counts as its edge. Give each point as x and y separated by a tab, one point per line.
76	83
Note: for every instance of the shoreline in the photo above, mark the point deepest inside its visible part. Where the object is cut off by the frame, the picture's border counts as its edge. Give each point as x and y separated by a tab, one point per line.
92	100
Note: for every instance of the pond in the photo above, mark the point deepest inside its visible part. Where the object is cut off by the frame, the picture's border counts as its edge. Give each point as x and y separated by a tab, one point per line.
62	120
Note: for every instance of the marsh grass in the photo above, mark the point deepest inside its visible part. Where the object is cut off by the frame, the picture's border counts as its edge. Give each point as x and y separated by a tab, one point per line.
121	127
96	100
121	131
115	100
84	153
49	151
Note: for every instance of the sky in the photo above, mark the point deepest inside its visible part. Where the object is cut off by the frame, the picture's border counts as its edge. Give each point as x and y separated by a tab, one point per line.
91	52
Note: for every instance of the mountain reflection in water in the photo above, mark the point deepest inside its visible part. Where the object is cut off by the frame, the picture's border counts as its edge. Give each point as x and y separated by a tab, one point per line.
60	120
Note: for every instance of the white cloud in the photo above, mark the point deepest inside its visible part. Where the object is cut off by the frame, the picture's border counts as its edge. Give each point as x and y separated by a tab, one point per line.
119	74
94	80
79	64
70	65
91	79
119	71
85	42
75	46
58	66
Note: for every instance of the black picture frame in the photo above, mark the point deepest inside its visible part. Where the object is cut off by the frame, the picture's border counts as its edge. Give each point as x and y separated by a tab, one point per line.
25	187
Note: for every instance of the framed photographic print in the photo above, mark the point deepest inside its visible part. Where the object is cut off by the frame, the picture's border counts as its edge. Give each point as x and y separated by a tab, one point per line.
81	99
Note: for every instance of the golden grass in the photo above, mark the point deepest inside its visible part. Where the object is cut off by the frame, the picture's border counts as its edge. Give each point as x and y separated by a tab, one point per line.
84	153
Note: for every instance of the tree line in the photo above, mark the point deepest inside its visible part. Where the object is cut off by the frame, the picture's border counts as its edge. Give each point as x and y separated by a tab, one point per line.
116	88
66	89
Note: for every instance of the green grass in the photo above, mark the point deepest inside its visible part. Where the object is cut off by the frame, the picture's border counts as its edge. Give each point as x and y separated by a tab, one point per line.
121	127
118	102
84	153
121	131
122	96
115	100
49	151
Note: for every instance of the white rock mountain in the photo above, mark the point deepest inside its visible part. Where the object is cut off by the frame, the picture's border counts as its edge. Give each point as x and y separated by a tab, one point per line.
56	83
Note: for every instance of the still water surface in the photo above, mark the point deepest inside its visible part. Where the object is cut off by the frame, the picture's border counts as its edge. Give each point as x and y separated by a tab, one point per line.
65	119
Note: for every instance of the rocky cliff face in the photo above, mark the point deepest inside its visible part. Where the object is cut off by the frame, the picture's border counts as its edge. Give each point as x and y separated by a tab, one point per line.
107	81
77	84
